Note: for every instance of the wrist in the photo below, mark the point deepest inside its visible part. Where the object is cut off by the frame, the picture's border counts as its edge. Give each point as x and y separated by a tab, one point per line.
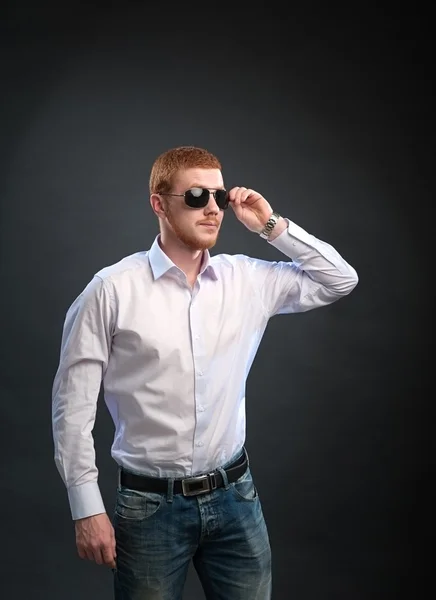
278	229
273	226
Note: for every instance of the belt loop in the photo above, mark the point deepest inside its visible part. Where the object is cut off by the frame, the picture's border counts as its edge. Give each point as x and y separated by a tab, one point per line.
224	476
170	490
119	478
248	460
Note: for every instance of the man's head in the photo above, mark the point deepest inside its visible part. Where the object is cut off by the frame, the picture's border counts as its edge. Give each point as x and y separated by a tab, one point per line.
174	173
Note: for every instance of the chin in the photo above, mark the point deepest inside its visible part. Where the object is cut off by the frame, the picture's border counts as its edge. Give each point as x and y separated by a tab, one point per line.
205	244
200	242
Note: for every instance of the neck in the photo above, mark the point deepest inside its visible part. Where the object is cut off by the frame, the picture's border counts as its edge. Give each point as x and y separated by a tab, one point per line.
188	260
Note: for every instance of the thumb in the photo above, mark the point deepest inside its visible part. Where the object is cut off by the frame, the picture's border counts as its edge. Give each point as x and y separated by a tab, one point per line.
114	543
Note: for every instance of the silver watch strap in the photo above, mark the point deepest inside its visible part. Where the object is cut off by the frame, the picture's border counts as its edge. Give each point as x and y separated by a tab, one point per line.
272	222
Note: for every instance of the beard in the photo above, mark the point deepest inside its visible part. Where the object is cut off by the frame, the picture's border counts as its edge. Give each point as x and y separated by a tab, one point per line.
190	239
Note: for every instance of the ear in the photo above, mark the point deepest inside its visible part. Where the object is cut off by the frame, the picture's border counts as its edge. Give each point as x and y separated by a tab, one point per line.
157	204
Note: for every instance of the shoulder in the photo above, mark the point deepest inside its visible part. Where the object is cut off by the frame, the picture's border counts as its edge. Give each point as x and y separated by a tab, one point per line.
240	262
127	267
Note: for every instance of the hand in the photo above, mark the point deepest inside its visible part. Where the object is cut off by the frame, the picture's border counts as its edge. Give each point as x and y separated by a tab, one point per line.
250	208
95	539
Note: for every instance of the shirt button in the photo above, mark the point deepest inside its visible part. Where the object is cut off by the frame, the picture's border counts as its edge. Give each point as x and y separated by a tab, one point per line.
200	372
199	444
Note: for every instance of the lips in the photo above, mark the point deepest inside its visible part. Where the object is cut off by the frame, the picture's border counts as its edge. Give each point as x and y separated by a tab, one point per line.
210	224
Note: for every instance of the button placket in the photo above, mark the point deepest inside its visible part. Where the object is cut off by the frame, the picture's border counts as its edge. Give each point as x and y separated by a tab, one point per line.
200	385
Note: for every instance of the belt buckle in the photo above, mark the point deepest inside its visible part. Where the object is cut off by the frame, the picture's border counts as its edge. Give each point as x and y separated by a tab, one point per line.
193	486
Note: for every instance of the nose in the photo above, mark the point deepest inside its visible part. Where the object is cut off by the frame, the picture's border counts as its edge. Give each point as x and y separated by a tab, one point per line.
212	206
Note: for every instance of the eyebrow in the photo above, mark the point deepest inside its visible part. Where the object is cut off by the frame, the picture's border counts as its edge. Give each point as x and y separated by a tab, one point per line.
200	185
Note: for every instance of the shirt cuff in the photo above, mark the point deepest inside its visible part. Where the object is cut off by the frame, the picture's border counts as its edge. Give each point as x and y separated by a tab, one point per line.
293	241
85	500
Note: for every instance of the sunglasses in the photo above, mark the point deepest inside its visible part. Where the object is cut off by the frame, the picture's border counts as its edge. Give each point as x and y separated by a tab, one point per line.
199	197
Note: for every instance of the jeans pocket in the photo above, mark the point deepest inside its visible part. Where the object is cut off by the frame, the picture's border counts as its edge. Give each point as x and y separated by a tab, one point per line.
244	487
136	506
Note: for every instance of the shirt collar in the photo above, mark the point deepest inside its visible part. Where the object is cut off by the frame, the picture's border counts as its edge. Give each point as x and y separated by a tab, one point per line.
160	263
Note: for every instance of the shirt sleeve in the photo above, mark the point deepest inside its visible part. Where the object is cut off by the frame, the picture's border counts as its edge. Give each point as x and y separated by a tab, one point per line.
84	355
317	274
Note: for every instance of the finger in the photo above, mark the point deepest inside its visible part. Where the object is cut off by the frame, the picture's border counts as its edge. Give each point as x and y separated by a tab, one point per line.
81	552
236	208
84	552
97	555
89	554
247	194
239	193
108	555
232	193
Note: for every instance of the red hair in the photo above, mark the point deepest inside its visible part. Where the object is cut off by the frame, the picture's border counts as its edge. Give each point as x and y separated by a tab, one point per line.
184	157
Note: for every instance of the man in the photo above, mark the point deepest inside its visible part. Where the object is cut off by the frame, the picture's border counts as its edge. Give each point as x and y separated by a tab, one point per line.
172	333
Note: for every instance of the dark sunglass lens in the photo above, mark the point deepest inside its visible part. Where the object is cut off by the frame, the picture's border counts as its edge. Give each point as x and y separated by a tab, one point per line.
197	197
222	198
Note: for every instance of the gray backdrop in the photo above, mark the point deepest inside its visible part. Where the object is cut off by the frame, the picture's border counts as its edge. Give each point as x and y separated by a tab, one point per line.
329	116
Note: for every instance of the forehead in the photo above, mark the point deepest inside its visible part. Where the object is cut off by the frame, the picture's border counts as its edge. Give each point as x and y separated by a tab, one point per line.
208	178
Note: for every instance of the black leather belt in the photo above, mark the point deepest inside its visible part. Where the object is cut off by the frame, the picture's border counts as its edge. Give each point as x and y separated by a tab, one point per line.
191	486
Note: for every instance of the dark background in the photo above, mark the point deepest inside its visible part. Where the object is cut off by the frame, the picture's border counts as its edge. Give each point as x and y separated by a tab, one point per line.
329	115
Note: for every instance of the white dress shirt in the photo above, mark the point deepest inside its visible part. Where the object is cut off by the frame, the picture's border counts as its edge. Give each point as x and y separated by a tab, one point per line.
174	359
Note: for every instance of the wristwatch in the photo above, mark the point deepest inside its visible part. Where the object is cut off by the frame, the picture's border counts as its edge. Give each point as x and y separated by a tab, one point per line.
272	222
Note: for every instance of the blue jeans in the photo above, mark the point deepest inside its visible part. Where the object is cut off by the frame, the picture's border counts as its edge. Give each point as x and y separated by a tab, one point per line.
222	531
